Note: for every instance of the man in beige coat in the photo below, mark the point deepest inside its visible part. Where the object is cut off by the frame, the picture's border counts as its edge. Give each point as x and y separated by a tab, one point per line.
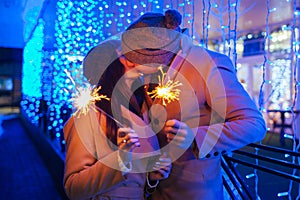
214	114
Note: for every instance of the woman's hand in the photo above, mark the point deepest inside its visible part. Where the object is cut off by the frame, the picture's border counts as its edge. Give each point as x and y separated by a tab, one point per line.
127	140
162	168
179	133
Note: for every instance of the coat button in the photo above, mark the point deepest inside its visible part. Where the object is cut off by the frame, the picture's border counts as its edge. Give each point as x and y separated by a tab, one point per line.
208	156
216	153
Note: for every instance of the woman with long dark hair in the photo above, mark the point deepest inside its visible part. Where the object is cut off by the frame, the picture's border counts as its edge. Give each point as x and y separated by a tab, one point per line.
106	155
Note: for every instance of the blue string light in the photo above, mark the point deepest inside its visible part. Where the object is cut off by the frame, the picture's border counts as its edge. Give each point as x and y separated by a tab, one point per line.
235	5
261	102
203	22
32	73
229	28
207	24
295	58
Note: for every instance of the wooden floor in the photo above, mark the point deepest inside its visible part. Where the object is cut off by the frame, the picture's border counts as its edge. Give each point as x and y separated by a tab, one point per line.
23	174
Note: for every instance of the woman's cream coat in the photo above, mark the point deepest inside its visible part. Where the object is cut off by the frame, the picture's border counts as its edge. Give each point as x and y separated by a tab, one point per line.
92	169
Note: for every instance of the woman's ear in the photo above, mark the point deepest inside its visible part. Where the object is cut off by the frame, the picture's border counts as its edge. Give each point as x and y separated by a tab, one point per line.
126	63
123	61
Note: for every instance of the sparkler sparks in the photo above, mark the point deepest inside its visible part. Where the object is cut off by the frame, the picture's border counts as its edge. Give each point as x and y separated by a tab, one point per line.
85	97
167	92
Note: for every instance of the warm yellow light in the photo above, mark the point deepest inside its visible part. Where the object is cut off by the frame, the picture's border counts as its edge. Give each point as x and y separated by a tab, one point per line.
84	98
167	92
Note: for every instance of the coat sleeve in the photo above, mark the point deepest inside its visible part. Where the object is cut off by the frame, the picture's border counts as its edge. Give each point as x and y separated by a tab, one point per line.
235	120
85	175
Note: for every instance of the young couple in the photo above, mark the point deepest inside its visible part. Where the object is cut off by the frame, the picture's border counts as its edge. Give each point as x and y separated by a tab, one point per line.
133	144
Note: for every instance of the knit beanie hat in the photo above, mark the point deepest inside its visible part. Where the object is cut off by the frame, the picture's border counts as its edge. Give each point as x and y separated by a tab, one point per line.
154	38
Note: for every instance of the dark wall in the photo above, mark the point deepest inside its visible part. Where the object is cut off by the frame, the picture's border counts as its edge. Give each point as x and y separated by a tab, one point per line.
10	72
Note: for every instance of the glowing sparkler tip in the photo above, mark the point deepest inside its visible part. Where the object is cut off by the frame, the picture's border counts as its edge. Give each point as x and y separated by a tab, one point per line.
85	98
168	91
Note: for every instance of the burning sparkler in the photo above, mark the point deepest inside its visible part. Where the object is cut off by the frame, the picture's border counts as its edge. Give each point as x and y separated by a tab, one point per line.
166	91
85	97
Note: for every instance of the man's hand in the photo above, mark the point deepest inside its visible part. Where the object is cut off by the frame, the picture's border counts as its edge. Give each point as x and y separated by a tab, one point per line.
162	168
179	133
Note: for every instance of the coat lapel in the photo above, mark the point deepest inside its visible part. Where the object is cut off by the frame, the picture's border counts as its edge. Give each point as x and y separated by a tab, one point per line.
149	143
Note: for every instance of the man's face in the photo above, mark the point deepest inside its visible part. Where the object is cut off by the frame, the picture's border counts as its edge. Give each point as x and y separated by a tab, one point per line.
145	69
135	70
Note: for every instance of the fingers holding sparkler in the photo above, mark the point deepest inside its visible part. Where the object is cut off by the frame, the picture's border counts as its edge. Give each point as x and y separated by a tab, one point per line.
179	133
127	139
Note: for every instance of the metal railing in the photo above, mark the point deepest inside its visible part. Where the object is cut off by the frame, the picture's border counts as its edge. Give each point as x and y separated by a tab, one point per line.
236	186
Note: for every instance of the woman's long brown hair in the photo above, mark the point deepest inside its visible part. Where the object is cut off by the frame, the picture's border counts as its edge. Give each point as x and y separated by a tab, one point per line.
108	81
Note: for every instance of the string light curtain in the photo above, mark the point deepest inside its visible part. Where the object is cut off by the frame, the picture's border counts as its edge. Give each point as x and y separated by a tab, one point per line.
295	42
82	24
31	74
